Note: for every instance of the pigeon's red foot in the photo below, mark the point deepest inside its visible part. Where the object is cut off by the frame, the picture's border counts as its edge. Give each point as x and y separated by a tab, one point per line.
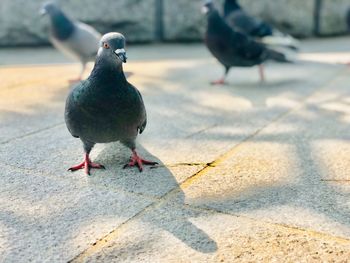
262	74
136	160
218	82
86	165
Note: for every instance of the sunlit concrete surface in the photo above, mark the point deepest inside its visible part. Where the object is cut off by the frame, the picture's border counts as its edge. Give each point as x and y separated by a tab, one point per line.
247	172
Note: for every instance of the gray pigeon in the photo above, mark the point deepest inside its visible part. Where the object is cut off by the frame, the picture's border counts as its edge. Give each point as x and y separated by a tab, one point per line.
241	21
232	48
76	40
106	107
348	19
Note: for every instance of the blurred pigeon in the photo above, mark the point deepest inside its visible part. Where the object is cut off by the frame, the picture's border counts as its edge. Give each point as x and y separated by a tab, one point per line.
106	107
240	21
75	39
348	19
233	48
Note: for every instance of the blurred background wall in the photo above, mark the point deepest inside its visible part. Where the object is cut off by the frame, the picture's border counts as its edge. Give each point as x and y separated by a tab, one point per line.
166	20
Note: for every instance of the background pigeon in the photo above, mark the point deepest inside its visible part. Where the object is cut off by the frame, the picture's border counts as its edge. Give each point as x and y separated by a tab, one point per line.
105	107
232	48
75	39
348	19
241	21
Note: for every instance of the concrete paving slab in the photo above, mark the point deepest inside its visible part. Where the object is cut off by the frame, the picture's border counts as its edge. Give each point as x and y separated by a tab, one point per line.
178	234
51	152
191	128
48	220
30	102
274	155
294	172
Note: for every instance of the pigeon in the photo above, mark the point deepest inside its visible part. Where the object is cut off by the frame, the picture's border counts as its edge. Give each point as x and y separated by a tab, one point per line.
106	107
348	19
76	40
232	48
241	21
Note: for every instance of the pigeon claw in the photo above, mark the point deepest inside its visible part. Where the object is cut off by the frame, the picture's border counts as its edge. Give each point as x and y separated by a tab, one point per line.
136	160
86	165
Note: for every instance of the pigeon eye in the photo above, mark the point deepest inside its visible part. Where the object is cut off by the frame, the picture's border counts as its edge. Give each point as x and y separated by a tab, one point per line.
105	45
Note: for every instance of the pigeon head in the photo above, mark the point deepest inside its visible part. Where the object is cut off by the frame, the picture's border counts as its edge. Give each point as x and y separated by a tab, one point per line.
208	6
112	48
50	8
61	26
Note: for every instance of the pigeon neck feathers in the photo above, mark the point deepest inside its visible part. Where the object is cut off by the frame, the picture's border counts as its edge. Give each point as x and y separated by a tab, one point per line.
217	25
107	70
62	26
230	6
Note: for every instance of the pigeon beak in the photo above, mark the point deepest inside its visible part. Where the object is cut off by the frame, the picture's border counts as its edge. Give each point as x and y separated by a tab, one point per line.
42	11
121	54
205	9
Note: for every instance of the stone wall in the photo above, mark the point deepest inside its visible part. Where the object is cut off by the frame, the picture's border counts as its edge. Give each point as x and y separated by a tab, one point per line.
182	20
333	16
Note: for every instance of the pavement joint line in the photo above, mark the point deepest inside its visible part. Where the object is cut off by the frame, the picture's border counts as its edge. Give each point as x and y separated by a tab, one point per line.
279	225
31	133
336	180
177	165
104	241
101	243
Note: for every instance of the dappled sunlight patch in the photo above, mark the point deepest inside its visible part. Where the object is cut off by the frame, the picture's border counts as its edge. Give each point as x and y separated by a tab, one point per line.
254	165
282	102
334	158
283	128
338	107
29	90
328	57
4	244
163	69
224	101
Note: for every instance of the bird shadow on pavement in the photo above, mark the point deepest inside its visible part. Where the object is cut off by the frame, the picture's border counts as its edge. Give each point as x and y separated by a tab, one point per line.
157	183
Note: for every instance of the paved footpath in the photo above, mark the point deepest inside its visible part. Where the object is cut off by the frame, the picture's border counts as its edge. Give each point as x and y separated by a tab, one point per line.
248	171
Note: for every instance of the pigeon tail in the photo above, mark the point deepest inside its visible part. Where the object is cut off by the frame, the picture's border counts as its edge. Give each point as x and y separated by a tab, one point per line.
280	39
277	56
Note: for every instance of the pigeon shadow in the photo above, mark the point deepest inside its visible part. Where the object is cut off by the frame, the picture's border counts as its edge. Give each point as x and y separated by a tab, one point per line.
155	182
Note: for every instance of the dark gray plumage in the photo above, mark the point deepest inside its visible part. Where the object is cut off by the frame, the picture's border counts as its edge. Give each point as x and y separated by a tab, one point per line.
348	19
232	48
106	107
76	40
241	21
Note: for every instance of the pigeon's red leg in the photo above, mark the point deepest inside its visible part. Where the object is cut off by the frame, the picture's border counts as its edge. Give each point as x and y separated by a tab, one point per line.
136	160
87	165
218	82
73	81
261	73
222	80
